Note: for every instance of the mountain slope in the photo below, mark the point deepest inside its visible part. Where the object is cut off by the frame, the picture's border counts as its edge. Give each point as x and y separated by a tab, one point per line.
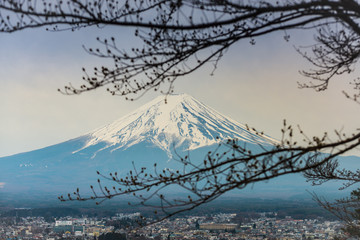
148	135
182	121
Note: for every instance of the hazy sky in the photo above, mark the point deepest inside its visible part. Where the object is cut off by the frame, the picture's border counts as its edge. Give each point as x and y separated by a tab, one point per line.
256	85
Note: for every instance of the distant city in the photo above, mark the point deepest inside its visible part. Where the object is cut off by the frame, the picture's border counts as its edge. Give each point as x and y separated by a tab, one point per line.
250	226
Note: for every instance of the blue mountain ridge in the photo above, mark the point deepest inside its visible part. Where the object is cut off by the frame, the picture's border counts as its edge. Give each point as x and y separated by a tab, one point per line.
63	167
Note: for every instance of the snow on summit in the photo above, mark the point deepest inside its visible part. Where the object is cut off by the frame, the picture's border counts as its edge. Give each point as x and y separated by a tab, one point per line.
182	120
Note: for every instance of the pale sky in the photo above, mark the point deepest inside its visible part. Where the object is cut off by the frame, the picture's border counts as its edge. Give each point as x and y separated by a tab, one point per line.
256	85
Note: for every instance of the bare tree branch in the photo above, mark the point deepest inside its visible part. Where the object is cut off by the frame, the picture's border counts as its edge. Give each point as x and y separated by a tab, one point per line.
180	36
223	171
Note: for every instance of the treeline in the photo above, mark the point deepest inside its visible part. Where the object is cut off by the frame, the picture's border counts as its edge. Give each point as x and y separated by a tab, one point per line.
49	213
296	209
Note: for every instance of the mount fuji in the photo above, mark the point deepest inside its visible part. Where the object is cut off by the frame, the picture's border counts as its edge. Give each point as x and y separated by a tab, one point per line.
155	133
150	134
181	121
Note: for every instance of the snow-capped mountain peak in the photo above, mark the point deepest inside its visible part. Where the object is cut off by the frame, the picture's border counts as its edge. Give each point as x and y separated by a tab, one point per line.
181	120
